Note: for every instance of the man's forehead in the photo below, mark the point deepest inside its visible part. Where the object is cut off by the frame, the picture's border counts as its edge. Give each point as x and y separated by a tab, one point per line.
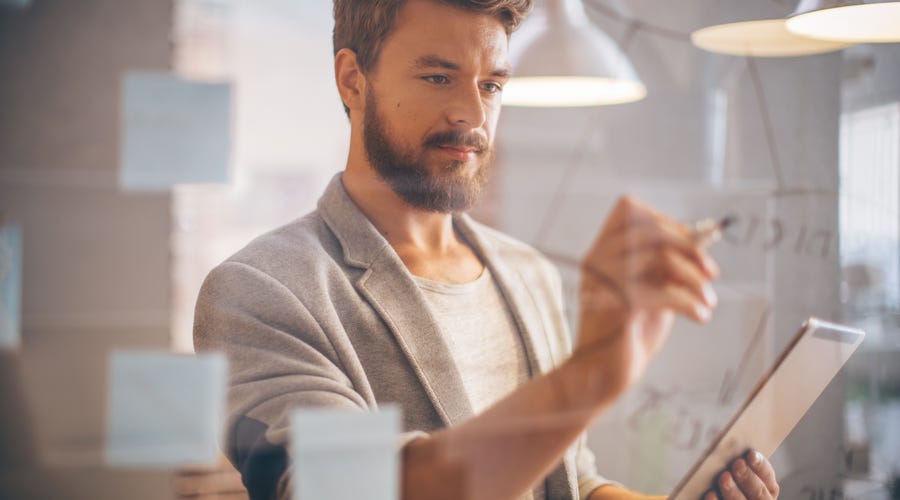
434	33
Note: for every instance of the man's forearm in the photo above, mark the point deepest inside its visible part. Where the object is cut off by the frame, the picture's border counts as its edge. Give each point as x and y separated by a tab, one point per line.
504	451
614	492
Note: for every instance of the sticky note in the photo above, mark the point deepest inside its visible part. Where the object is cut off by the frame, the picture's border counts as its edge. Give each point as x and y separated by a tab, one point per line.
164	409
345	454
21	4
10	286
174	131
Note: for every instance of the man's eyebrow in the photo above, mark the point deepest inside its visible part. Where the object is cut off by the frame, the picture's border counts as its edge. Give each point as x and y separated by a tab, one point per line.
502	72
431	62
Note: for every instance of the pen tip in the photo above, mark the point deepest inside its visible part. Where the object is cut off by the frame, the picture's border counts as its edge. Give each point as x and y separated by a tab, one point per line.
727	221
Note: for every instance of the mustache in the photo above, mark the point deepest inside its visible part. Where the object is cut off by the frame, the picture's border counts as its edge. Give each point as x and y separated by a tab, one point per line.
457	138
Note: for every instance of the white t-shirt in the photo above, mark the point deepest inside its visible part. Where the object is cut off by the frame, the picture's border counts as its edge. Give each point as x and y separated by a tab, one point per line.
483	338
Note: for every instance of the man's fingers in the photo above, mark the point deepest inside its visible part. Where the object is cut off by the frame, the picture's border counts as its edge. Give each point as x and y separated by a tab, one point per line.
646	289
728	488
674	297
764	470
659	235
644	228
629	211
750	484
749	478
710	495
671	267
657	279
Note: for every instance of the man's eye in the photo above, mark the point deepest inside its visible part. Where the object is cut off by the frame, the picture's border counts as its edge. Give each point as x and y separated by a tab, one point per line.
439	79
493	88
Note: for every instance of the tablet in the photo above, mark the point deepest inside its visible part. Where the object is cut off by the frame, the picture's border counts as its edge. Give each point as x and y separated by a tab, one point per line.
780	399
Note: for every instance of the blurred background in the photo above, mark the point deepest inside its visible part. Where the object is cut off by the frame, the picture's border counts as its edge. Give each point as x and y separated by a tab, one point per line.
144	141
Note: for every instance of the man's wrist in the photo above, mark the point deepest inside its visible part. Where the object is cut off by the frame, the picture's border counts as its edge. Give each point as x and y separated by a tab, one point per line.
587	381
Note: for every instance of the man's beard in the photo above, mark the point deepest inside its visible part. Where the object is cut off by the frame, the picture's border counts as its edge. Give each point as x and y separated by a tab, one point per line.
438	187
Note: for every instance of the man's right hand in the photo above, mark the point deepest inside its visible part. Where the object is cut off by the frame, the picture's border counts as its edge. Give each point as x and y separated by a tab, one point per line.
642	269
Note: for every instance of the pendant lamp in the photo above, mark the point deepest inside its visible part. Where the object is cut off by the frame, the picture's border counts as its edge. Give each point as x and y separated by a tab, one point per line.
762	38
567	61
852	21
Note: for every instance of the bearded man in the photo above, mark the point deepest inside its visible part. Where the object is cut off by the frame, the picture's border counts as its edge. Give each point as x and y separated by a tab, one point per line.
389	294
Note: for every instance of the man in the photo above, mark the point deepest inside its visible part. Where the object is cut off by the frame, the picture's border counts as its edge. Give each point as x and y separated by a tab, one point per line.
388	294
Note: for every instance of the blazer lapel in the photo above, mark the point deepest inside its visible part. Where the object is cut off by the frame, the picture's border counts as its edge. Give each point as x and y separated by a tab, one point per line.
402	306
390	290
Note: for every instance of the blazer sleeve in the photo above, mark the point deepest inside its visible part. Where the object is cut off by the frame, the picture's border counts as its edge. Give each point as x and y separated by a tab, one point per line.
585	463
279	359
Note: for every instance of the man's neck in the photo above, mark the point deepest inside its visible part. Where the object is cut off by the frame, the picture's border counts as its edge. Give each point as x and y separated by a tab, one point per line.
426	242
399	223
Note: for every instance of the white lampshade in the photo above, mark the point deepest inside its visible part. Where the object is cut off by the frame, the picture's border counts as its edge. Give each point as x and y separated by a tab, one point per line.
569	62
847	20
763	38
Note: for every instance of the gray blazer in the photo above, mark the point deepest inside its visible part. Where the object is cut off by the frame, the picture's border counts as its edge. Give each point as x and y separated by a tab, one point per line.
322	312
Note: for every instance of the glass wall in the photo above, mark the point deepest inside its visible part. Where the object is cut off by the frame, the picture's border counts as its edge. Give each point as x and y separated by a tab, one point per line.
801	151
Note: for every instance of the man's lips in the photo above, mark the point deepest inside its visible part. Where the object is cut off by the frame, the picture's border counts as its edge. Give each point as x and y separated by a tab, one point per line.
460	152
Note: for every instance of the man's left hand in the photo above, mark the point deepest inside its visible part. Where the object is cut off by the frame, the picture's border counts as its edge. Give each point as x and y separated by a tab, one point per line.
750	477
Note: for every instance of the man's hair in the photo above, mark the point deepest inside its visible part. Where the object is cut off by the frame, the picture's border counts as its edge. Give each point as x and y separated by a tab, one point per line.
363	25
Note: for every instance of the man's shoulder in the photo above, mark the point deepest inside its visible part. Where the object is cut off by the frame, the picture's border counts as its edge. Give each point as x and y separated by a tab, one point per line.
289	248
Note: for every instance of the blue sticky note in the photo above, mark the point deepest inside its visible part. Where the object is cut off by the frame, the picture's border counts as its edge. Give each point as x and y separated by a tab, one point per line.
330	446
10	286
21	4
164	409
174	131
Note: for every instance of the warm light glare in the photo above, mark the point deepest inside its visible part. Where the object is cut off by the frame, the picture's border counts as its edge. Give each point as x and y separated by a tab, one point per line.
867	23
549	91
764	38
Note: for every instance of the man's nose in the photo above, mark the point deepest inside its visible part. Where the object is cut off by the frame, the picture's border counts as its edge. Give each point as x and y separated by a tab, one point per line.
467	107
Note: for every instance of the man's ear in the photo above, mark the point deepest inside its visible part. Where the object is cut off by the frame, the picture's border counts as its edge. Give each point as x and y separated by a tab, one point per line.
349	78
